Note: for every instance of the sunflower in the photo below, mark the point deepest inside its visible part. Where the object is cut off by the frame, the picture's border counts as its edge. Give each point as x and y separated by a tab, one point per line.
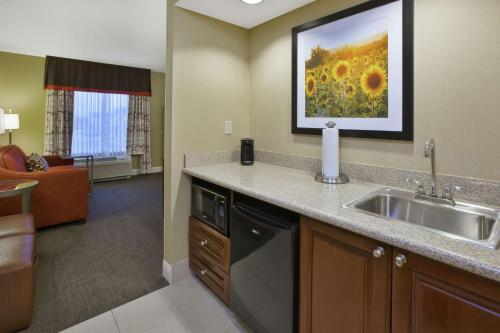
326	69
350	90
318	71
341	70
374	81
324	77
310	86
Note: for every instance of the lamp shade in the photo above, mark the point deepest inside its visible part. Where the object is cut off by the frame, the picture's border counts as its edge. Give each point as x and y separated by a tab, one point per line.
11	121
2	127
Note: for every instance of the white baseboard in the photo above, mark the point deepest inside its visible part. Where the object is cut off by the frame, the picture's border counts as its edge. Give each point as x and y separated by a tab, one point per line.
177	271
156	169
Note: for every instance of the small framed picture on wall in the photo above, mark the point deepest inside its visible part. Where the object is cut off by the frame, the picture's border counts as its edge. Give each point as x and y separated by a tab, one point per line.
355	68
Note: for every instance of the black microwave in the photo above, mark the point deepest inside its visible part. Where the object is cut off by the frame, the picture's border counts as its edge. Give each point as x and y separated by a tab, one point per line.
210	204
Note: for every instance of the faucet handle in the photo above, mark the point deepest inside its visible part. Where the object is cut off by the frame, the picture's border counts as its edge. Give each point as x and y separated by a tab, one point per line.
420	186
449	190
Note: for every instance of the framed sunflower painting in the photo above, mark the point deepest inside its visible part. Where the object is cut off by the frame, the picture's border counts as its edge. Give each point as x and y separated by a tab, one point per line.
355	67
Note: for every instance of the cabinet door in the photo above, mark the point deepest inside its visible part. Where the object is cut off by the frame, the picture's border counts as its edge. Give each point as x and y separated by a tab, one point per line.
344	285
431	297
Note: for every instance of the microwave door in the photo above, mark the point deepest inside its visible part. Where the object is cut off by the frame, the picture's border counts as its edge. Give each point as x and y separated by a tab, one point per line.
208	205
197	201
210	208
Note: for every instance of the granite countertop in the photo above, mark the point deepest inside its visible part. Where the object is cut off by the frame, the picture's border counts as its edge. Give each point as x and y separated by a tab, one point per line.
296	190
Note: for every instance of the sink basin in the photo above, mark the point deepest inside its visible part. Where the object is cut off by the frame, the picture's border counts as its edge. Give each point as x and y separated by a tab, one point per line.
466	221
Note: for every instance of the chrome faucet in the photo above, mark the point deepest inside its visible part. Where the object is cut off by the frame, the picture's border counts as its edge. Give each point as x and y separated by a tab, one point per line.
429	153
447	196
420	186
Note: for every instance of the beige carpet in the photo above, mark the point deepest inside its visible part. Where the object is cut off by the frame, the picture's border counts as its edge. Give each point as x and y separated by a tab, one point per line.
87	269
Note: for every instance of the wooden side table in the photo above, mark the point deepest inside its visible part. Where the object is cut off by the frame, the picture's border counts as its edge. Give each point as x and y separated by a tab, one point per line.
23	187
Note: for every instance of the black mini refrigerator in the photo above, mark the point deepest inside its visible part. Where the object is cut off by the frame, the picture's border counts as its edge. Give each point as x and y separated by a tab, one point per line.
264	266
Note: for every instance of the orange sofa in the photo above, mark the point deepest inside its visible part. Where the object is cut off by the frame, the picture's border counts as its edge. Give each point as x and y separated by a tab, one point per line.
62	194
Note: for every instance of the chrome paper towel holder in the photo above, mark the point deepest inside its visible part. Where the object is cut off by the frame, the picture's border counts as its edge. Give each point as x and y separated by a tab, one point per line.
341	179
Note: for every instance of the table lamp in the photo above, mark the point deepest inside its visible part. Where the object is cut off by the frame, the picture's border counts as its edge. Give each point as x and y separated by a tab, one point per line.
11	122
2	127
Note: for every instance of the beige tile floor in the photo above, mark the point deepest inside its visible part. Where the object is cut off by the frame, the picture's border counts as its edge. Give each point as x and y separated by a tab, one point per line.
185	306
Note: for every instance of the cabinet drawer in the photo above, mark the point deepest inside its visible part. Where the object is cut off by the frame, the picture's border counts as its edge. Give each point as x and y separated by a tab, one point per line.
214	277
210	242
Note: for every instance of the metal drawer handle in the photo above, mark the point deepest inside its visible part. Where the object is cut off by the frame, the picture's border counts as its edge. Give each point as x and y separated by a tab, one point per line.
204	271
378	252
400	260
256	232
204	242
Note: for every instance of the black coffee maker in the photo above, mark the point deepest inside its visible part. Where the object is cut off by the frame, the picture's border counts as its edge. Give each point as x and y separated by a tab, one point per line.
247	151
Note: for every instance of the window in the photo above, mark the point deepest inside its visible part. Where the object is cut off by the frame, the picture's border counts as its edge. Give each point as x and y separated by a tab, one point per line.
99	124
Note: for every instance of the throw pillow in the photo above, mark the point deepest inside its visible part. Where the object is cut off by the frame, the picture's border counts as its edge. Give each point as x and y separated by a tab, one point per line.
37	163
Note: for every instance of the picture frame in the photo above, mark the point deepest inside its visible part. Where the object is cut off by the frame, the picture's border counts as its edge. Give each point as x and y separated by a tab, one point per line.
355	67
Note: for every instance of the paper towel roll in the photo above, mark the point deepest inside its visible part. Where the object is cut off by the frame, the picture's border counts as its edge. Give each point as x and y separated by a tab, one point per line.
330	151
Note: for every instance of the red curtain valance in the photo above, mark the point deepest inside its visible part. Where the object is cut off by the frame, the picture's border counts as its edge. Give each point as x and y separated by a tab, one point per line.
79	75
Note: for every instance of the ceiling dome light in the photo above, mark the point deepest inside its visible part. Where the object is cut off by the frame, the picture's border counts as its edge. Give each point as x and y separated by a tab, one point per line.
251	2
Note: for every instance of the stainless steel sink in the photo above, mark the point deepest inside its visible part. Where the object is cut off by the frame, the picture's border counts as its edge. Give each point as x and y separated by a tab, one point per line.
466	221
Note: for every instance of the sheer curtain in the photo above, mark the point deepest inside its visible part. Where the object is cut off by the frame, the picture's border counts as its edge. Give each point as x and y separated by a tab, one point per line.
100	124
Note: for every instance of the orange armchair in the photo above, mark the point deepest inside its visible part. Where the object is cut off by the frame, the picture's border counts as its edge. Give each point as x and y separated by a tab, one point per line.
62	194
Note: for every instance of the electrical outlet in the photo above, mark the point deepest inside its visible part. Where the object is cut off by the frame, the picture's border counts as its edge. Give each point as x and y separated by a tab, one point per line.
228	127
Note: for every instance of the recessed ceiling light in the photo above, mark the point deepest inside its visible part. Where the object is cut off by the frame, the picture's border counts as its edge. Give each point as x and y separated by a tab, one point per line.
252	2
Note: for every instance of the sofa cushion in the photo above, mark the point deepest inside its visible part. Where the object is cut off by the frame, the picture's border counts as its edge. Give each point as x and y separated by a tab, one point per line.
36	163
21	224
17	252
17	282
64	168
13	159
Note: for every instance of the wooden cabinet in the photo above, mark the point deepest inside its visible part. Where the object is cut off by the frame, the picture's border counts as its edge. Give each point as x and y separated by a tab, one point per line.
347	287
211	243
344	287
431	297
209	257
214	277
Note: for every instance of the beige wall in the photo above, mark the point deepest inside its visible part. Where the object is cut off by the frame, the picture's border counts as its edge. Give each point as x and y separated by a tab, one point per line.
157	115
168	224
21	87
457	91
223	72
210	84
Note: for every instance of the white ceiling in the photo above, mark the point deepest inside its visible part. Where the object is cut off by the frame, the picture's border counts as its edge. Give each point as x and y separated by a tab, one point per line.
123	32
239	13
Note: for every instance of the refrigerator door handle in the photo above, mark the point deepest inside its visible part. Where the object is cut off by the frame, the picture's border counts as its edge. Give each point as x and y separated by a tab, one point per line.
256	218
256	232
